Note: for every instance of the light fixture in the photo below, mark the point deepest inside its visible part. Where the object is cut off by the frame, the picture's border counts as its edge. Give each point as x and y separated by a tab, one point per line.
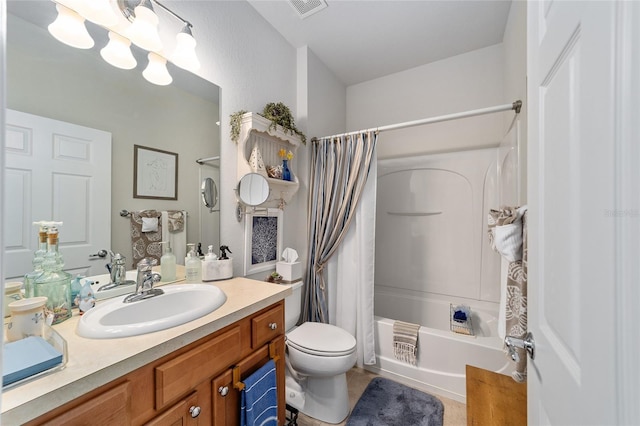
99	12
141	29
144	28
69	28
156	71
185	54
118	53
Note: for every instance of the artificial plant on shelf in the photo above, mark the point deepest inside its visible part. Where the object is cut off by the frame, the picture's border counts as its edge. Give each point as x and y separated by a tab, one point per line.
278	113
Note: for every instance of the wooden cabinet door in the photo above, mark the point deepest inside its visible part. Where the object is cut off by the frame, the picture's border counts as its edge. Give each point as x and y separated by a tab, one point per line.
185	412
225	400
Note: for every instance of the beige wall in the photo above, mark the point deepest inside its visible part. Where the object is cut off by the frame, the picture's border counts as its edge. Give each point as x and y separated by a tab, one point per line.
515	81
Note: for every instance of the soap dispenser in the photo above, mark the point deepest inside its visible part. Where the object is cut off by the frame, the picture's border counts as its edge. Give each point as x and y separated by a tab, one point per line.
210	266
193	266
168	263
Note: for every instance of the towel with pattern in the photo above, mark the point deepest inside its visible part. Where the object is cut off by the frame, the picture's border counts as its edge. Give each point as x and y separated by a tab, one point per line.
145	244
259	398
405	341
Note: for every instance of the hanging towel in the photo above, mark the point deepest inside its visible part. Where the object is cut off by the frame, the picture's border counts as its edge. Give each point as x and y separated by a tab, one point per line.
145	244
174	230
513	300
259	398
405	341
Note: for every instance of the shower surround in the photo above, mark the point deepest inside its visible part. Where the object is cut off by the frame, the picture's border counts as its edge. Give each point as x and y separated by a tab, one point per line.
432	250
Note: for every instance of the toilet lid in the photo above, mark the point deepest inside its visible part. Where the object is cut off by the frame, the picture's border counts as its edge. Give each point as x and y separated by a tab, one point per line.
321	339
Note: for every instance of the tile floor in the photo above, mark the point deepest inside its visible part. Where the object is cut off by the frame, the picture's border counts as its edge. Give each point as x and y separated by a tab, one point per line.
455	413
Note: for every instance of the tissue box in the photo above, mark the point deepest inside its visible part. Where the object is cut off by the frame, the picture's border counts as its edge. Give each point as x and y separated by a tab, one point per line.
289	271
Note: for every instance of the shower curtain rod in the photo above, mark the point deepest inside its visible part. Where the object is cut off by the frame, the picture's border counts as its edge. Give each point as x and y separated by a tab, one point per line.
517	105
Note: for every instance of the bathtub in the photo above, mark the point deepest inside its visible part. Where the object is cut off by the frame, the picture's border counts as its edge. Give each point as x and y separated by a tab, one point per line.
442	354
432	250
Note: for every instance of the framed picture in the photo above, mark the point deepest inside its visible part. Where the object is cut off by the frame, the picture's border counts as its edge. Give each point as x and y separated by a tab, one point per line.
263	240
155	173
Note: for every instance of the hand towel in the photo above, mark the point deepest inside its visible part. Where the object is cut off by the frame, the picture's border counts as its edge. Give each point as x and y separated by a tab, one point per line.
405	341
259	398
149	224
175	234
145	244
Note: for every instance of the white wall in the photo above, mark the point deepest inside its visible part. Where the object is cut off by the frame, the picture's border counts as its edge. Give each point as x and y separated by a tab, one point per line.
465	82
253	65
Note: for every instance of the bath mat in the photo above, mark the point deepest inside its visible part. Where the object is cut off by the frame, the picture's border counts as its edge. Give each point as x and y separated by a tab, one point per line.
388	403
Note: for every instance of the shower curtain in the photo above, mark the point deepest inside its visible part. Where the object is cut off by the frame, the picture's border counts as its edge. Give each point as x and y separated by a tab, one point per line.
350	275
340	166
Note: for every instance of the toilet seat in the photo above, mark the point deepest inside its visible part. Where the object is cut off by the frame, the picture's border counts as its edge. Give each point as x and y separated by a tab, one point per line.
321	339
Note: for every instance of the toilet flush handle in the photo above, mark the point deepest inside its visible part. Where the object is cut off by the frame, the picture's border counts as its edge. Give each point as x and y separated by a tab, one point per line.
273	325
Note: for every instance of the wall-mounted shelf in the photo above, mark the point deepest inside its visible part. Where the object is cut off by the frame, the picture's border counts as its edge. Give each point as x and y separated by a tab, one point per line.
255	133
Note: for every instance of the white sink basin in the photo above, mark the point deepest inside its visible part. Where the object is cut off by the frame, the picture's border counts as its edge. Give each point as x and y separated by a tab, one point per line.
178	305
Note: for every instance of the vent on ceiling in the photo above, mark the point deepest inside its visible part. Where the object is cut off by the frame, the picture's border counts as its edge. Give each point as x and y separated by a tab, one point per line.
306	8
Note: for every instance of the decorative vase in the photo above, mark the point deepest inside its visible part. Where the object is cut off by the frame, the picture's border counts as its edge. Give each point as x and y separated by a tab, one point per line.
286	173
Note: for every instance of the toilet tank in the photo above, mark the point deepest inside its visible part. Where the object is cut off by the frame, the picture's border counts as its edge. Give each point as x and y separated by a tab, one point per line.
293	306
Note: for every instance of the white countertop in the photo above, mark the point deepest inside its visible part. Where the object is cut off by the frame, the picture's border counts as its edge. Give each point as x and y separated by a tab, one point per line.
95	362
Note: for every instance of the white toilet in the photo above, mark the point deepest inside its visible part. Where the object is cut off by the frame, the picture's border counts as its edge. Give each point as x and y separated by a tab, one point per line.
318	357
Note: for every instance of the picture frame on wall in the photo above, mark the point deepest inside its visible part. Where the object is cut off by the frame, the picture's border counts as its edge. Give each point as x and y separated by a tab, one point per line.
155	173
263	240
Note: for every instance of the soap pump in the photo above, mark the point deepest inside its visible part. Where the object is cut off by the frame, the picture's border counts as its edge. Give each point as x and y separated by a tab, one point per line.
168	263
210	266
193	266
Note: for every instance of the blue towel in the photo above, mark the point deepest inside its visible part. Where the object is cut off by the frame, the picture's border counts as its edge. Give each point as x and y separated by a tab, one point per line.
259	398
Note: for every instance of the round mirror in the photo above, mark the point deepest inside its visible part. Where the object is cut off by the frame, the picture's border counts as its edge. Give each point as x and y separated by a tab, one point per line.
253	189
209	192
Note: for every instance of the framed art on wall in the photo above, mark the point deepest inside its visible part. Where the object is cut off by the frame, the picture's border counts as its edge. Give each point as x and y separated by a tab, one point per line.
263	240
155	173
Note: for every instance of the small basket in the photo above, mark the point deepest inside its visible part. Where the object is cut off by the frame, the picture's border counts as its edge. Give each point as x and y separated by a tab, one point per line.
458	326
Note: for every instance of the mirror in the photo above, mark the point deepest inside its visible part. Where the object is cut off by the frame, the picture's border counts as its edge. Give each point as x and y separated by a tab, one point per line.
253	189
209	192
50	79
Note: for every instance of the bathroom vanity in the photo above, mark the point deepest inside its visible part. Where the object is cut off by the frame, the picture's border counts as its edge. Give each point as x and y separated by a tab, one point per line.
182	375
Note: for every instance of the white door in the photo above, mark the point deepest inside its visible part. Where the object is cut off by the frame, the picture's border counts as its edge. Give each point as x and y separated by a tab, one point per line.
574	98
62	172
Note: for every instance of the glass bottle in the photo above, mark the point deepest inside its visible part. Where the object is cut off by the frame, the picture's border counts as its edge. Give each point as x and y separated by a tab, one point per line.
38	259
193	266
54	283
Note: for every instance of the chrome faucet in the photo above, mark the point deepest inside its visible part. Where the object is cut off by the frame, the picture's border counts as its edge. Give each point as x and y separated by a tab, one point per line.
117	272
145	281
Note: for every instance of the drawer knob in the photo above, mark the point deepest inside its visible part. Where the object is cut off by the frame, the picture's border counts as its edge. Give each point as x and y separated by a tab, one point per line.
195	411
223	390
273	325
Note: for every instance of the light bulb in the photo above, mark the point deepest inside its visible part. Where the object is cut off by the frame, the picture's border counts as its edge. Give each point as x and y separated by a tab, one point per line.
156	72
99	11
185	54
69	28
118	53
144	29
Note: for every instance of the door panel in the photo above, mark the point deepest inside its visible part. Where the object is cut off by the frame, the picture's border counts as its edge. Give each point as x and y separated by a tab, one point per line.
56	171
571	185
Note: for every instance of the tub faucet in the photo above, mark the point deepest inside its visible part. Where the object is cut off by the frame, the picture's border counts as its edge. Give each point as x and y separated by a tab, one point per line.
145	280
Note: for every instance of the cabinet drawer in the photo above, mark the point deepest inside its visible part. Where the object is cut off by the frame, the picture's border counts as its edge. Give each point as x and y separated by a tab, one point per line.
177	377
266	326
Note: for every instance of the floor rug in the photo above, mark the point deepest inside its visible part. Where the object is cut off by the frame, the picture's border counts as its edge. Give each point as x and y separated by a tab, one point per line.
388	403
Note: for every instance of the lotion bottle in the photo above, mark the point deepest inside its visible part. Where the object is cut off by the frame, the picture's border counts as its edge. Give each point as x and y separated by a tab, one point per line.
168	263
193	266
209	266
